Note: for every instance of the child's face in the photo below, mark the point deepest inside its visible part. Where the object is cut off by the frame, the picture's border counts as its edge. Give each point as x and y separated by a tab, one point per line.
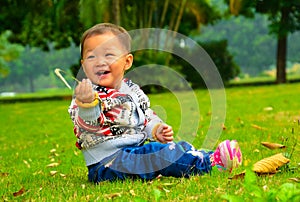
105	60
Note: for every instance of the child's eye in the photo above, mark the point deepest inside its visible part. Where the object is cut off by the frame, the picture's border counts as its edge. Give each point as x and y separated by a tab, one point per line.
91	57
109	55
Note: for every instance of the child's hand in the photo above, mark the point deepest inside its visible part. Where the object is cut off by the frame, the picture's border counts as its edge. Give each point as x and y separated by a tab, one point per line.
84	91
164	133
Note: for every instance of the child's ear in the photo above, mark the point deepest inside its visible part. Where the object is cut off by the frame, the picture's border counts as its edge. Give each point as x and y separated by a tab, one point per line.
128	61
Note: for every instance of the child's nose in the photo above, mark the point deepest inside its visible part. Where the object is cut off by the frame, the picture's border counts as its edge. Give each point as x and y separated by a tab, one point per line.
101	61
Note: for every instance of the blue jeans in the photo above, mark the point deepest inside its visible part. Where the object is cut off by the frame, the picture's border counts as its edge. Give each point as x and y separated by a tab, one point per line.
150	160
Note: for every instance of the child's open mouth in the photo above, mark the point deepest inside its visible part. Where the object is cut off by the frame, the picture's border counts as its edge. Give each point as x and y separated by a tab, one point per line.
100	73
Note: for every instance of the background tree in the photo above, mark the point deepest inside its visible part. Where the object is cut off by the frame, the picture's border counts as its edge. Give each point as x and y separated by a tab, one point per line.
181	16
34	68
61	22
27	68
284	18
37	23
8	52
248	40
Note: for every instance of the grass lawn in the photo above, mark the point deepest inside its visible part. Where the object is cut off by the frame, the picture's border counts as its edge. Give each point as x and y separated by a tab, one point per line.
39	161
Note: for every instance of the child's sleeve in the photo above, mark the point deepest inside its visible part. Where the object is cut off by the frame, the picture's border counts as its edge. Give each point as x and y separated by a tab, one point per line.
86	123
89	114
152	123
85	119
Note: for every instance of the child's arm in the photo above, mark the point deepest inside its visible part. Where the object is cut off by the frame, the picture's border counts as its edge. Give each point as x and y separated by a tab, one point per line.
85	110
86	116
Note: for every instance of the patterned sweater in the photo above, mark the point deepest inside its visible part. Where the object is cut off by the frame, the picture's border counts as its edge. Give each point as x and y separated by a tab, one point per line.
123	118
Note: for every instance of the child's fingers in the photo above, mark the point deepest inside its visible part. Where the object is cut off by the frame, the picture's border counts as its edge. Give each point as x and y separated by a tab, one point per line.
168	133
84	91
168	138
168	130
86	85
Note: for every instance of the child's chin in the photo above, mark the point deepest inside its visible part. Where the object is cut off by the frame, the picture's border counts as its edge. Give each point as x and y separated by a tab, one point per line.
105	84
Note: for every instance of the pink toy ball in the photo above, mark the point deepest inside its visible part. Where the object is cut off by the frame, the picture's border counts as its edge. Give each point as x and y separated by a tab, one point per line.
228	155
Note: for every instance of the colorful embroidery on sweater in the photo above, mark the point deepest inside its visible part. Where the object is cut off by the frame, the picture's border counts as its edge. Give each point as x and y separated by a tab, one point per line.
117	117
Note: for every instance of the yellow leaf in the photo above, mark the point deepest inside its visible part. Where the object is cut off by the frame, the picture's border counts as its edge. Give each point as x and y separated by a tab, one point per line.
52	165
169	184
271	145
131	191
62	175
27	164
295	179
53	172
112	195
76	153
257	127
166	190
4	174
268	108
238	176
52	150
270	164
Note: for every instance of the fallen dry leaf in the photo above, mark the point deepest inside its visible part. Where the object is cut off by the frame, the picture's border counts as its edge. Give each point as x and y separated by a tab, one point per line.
63	175
166	190
112	195
256	150
76	153
271	145
26	163
257	127
131	191
268	109
4	174
270	164
52	165
38	172
238	176
20	192
52	150
168	184
295	179
53	172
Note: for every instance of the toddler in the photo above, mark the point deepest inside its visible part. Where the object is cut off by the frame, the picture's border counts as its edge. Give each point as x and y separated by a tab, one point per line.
113	120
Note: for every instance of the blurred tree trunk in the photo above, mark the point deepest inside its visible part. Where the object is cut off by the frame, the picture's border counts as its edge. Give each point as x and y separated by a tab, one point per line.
116	12
282	49
175	30
163	15
31	83
284	19
281	60
180	14
150	15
